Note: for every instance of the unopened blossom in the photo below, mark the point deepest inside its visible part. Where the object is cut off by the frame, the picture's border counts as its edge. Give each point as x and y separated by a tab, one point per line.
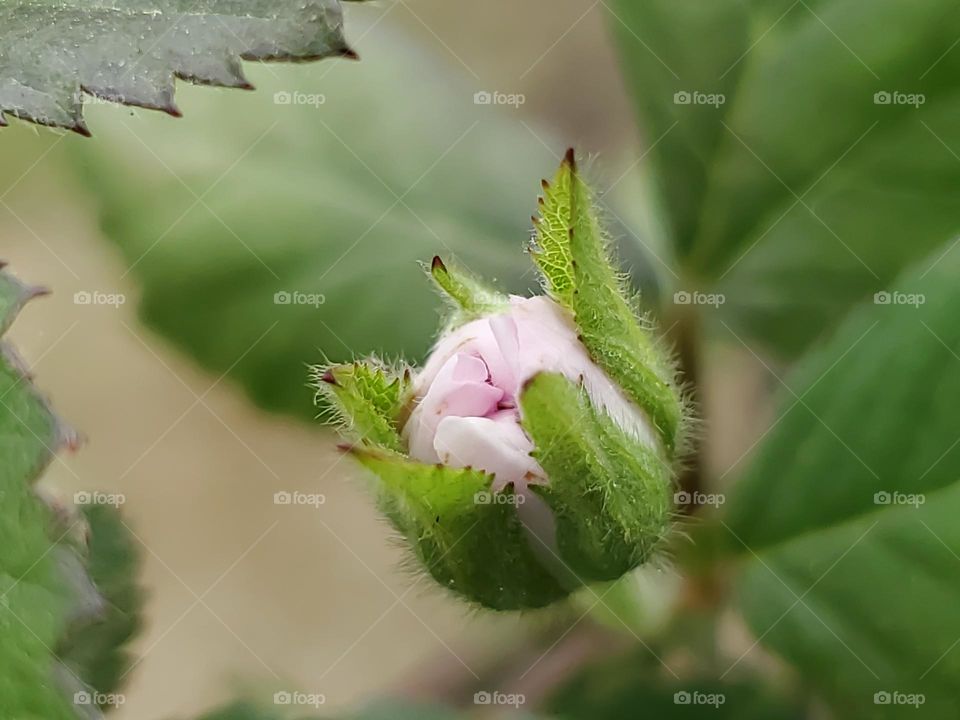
467	411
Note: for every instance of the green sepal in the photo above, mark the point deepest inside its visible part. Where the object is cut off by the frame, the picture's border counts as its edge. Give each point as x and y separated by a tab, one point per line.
610	493
571	252
468	296
366	399
478	550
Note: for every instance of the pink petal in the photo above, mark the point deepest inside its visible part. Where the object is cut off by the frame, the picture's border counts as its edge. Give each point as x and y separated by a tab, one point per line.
499	447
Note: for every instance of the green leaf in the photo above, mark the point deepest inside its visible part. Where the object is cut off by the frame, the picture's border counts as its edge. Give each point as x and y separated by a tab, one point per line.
469	539
800	194
572	254
326	203
614	689
610	494
36	595
847	517
97	652
52	53
366	400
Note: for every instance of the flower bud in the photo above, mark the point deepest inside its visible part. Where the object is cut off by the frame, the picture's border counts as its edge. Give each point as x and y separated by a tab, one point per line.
535	450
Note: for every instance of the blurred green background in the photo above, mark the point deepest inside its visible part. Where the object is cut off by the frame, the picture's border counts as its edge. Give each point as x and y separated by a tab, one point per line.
792	159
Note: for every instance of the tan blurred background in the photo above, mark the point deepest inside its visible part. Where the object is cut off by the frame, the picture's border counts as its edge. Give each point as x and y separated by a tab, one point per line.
243	593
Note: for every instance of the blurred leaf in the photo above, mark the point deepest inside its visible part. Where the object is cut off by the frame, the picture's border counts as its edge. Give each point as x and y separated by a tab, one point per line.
268	237
98	651
382	710
36	599
51	53
849	510
804	191
624	688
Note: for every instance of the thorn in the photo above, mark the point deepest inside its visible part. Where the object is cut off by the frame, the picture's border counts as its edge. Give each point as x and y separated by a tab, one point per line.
172	110
3	264
545	184
329	377
349	53
80	128
570	159
35	291
437	265
345	447
536	220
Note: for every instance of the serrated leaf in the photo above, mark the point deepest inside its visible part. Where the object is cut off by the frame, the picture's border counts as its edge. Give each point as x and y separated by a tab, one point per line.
849	508
470	544
36	598
97	652
610	494
573	257
795	213
366	400
51	53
